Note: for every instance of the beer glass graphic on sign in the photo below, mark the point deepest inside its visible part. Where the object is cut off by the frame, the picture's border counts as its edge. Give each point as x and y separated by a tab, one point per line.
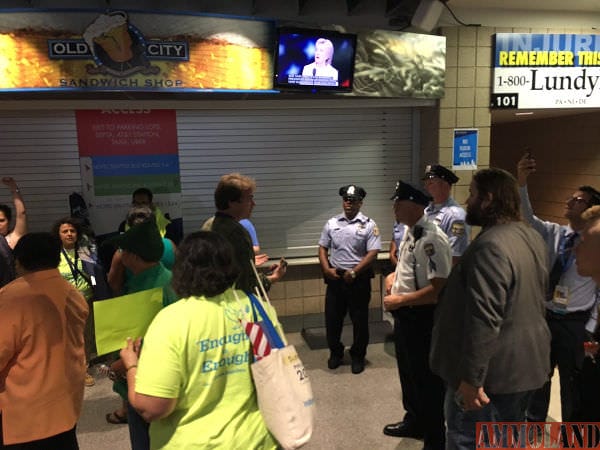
111	33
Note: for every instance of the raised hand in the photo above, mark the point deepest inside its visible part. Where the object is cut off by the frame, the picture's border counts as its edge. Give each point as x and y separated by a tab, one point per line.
525	167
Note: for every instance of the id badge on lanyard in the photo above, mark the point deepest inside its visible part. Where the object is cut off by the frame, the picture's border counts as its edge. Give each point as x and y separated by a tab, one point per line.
562	295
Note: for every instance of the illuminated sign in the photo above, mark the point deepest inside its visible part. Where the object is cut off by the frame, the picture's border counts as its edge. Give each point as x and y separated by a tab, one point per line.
120	50
546	71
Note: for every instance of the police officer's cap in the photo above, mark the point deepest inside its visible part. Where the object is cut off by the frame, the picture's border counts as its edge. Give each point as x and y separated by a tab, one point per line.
405	191
436	170
353	191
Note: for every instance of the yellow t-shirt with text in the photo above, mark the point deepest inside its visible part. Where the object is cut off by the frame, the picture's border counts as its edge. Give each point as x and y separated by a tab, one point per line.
197	351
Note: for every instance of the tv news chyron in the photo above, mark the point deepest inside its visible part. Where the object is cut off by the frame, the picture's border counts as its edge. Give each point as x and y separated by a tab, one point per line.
297	67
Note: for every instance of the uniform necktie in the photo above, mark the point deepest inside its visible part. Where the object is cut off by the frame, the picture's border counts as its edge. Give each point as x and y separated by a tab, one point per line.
563	260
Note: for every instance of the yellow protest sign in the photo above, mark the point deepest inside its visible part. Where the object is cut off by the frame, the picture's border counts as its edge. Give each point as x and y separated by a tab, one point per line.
126	316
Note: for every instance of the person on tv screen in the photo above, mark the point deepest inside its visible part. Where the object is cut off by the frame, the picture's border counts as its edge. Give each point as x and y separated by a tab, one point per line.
321	67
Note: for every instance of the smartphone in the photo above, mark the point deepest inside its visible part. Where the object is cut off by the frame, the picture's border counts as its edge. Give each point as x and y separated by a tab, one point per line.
283	262
528	153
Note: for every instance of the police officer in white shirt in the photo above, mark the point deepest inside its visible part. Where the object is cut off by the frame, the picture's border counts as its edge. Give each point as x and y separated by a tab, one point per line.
443	210
348	248
424	263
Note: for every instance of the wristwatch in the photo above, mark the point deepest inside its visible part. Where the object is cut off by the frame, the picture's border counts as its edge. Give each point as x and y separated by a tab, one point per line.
353	274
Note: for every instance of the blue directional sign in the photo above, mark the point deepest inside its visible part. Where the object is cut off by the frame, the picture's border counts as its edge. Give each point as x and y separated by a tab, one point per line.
465	149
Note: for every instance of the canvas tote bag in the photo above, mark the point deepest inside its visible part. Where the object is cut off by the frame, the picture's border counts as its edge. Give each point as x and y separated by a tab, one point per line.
283	389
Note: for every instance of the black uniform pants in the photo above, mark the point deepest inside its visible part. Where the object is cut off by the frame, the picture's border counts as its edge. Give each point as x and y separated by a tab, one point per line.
566	352
422	391
352	298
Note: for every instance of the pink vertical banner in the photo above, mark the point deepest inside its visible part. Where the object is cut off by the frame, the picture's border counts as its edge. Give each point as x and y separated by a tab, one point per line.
121	151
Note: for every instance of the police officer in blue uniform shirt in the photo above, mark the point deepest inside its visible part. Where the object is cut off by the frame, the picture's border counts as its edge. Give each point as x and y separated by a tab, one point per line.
397	235
444	210
348	247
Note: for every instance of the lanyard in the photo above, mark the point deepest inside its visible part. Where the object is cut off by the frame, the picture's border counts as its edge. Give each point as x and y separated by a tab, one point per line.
74	270
566	251
72	266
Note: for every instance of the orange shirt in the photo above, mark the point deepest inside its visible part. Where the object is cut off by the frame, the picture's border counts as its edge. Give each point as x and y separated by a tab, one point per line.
42	359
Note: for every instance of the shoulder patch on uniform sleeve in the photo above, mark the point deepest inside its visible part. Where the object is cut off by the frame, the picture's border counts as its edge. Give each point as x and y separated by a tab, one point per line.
458	228
429	249
375	230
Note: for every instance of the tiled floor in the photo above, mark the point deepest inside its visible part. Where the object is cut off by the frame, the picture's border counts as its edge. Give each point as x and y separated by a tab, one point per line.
351	409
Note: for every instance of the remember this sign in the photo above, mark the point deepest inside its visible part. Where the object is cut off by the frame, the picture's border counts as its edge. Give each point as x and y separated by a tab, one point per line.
546	71
465	149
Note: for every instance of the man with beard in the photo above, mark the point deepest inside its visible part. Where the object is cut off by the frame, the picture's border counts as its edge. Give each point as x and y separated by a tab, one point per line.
424	262
348	247
570	296
491	343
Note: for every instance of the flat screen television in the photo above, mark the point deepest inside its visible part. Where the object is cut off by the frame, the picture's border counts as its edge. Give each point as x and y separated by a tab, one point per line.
312	60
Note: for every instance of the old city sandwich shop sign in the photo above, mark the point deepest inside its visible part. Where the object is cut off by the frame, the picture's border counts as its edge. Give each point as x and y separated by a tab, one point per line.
126	50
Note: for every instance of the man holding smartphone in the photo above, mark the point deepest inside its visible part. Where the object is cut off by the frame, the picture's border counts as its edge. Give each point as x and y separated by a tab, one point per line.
348	247
570	297
234	199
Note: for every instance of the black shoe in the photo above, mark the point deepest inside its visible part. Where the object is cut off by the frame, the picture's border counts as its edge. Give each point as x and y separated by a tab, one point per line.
334	362
535	436
358	365
402	429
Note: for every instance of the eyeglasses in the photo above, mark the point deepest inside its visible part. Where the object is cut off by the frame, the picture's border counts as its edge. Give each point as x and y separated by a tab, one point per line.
351	199
578	199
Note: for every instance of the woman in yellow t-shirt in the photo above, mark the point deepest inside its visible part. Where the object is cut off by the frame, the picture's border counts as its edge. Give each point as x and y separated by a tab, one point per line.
193	383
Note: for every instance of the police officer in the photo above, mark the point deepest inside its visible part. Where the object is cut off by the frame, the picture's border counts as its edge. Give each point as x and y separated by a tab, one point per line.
348	247
424	263
444	210
397	235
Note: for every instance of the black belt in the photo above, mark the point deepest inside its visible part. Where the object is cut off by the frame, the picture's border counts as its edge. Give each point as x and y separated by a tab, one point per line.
411	310
575	315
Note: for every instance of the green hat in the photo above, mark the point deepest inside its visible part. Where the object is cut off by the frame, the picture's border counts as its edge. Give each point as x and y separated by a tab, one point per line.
143	240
